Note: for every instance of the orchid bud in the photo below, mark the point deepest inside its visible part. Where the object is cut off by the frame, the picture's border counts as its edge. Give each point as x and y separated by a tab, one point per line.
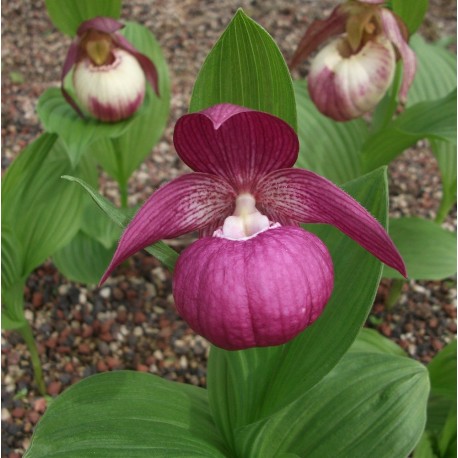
345	85
351	74
110	92
109	73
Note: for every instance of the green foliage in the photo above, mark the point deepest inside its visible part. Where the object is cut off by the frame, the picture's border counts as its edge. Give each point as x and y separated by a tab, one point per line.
159	250
128	414
411	12
246	68
428	250
370	341
33	199
329	148
68	15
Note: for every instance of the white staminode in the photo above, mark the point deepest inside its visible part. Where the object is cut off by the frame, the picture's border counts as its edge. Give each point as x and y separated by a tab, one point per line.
246	221
116	84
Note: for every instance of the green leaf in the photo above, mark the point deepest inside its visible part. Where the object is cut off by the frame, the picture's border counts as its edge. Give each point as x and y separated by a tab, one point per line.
445	153
246	68
59	117
329	148
433	120
370	341
127	414
84	259
447	439
411	12
429	251
442	372
368	405
159	250
436	71
258	382
120	155
68	15
425	448
43	210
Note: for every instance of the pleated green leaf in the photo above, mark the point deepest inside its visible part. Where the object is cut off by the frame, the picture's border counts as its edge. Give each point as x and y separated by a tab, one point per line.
368	405
84	259
121	154
258	382
436	71
446	155
428	250
43	210
411	12
425	448
331	149
160	250
370	341
246	68
127	414
435	120
442	372
69	14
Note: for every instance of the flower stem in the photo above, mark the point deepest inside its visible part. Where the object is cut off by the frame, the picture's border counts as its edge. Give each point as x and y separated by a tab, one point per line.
26	332
394	293
444	209
122	180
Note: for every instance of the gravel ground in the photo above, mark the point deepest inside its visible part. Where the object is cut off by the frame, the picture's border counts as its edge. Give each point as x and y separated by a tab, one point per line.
131	323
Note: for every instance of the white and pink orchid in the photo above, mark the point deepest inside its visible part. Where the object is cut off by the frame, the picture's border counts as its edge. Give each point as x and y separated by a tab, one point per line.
109	73
255	277
351	74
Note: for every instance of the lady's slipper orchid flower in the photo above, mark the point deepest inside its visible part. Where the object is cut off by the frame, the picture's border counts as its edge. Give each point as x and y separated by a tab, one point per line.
109	73
350	75
255	277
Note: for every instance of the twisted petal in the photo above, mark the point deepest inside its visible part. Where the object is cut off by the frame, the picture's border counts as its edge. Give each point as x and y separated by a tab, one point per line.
257	292
318	32
187	203
70	60
236	143
304	196
393	28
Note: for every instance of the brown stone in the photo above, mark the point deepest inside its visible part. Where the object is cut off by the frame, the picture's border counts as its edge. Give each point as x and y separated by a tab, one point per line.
101	366
54	388
37	299
84	349
39	405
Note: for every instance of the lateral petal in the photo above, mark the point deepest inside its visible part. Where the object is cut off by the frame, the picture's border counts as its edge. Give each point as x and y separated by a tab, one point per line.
238	144
188	203
395	31
307	197
318	32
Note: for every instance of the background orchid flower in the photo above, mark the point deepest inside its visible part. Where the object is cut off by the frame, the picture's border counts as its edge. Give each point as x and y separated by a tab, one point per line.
109	73
351	74
255	277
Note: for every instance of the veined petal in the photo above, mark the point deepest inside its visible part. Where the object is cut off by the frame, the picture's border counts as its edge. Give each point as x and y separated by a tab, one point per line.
238	144
145	62
318	32
307	197
187	203
102	24
392	29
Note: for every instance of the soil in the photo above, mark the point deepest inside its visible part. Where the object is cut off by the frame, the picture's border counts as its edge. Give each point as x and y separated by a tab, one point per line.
130	322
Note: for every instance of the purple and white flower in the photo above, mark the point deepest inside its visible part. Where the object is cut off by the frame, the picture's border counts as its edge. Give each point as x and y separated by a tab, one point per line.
109	74
351	74
255	277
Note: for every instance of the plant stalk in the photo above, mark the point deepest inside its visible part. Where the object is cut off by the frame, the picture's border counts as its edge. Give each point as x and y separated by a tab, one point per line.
394	293
27	335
